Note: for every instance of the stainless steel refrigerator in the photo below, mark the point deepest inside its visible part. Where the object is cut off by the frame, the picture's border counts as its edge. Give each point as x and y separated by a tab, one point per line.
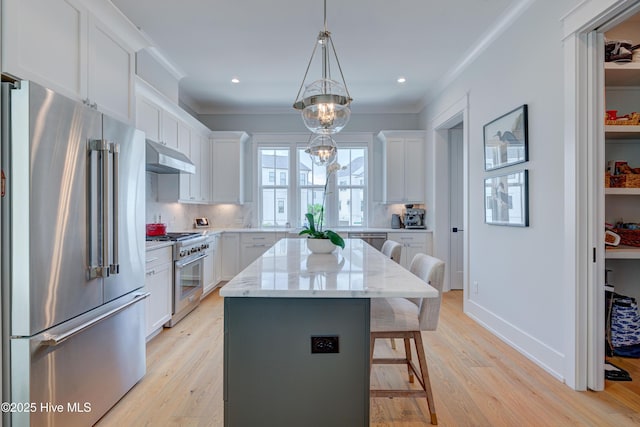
72	259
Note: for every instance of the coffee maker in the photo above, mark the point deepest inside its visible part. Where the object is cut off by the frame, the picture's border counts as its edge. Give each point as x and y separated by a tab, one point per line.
414	217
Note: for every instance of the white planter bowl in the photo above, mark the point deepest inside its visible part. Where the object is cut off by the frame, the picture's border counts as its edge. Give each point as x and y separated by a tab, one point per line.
320	246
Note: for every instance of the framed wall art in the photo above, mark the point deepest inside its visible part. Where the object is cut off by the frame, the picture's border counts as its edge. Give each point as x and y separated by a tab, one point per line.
506	199
505	140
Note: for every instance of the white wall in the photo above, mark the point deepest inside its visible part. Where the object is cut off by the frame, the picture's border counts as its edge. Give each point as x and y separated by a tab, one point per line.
519	270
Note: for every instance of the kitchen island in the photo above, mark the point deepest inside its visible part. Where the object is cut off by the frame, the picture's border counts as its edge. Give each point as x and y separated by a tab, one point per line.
297	334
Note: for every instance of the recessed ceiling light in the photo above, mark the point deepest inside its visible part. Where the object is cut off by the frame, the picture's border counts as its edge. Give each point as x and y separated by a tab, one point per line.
401	80
235	80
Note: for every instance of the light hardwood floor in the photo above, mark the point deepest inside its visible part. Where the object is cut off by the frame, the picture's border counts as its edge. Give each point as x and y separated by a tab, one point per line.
477	381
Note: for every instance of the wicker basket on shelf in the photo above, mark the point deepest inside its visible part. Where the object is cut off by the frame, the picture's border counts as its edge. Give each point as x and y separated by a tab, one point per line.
628	237
632	120
607	180
625	180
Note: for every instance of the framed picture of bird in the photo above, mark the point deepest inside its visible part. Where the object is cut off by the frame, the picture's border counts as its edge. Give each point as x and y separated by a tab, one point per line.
506	140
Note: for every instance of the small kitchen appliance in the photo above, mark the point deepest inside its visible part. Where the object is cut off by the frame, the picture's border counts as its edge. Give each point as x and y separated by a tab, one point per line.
395	221
414	218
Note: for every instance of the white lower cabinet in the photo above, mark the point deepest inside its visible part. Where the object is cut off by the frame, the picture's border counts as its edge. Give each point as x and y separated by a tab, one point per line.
159	283
217	266
210	276
253	245
412	243
230	260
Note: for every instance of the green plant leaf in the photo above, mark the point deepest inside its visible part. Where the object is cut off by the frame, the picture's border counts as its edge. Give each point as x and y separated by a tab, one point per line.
312	226
335	238
305	231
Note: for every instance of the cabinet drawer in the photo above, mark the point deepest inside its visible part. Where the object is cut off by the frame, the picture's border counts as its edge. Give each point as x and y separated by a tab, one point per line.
250	239
157	270
406	238
156	257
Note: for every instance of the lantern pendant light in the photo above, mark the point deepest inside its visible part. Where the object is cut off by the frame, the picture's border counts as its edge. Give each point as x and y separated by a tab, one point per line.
323	150
325	102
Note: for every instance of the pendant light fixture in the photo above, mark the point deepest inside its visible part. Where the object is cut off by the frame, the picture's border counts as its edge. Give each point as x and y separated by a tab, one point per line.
323	150
325	102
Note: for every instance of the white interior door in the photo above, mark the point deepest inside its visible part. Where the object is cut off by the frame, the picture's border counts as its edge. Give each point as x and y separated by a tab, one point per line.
456	203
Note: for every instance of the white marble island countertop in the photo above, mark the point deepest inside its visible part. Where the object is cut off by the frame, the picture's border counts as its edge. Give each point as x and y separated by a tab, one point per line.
290	270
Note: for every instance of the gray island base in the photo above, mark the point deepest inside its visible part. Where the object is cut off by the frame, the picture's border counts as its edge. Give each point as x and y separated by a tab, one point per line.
272	377
296	334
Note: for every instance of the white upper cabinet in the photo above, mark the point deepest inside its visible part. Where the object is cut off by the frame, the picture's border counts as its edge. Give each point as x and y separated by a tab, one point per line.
110	72
148	118
170	129
403	164
85	60
30	52
228	166
205	168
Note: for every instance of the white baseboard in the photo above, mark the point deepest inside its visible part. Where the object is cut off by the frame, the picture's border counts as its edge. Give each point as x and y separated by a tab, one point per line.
552	361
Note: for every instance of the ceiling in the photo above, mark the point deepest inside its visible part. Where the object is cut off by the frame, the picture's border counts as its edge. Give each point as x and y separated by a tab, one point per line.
267	46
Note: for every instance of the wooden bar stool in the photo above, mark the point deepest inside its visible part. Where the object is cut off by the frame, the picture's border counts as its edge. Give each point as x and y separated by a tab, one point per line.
392	250
405	319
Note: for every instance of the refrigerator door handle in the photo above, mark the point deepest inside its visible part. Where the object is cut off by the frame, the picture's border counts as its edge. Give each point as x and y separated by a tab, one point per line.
114	148
104	148
54	340
102	269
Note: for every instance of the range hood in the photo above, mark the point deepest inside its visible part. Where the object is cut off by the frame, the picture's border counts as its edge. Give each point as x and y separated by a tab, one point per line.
166	160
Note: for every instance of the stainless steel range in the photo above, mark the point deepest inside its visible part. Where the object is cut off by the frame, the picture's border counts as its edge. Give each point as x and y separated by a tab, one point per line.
188	268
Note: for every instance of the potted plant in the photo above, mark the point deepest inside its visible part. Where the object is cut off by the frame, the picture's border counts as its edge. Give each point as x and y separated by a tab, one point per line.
319	240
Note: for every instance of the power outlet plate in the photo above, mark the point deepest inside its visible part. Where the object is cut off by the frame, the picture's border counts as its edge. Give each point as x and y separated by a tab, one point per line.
325	344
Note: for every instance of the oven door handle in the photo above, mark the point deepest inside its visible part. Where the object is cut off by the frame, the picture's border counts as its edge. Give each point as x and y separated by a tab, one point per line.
184	263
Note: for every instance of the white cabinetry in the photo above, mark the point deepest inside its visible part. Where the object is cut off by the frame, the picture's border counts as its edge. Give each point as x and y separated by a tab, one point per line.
166	123
209	272
412	243
253	245
230	261
217	269
64	45
403	164
158	282
228	166
148	118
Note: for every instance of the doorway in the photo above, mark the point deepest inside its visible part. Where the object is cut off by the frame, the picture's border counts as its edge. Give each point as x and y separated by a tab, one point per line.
450	194
585	196
456	203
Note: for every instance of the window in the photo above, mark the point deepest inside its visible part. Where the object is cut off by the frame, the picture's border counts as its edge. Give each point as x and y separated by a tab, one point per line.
274	198
351	189
283	200
310	195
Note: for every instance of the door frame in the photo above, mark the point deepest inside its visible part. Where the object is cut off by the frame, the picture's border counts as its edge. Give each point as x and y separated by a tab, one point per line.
452	116
583	193
455	173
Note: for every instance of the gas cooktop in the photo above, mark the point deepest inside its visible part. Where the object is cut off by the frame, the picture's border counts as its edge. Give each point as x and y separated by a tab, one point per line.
174	237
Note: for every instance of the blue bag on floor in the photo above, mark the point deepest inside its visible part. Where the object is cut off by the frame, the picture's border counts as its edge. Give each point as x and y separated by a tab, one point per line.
625	326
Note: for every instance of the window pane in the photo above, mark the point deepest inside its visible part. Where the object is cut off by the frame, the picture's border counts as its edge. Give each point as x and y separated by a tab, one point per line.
274	207
268	212
351	207
274	163
310	202
316	174
274	179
